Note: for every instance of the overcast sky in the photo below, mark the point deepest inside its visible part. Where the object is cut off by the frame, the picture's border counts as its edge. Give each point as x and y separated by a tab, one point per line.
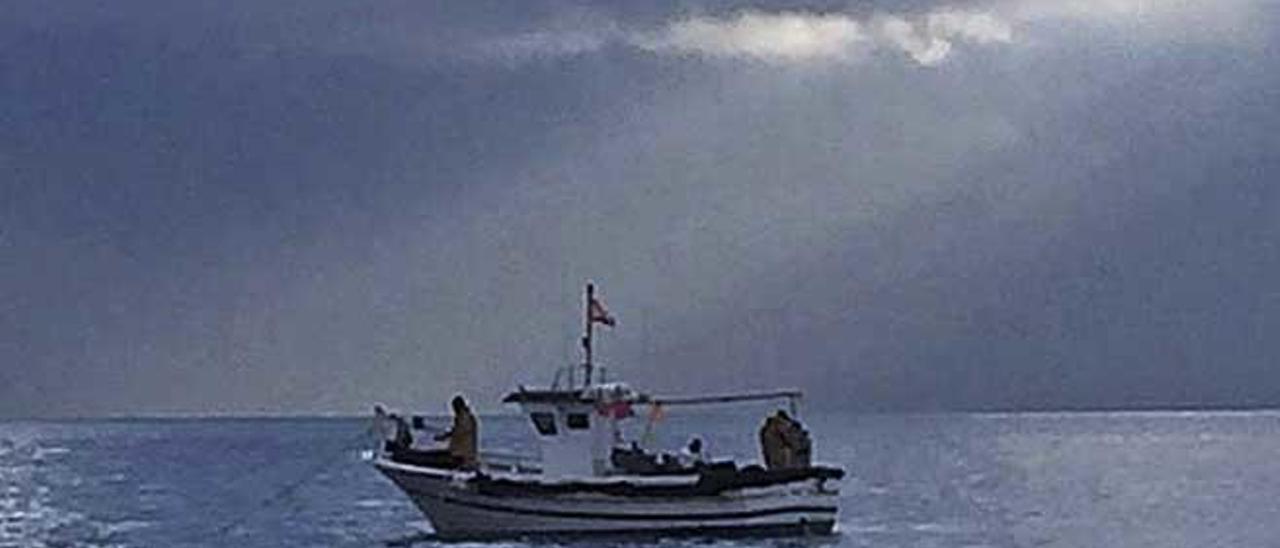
310	206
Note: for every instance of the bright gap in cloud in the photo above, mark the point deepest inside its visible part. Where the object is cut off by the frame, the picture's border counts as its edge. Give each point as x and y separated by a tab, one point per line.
758	35
783	37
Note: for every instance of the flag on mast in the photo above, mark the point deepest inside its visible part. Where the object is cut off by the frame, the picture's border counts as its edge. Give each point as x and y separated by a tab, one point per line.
597	313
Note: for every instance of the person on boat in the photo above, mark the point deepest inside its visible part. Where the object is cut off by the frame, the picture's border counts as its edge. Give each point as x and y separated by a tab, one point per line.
771	443
462	436
383	428
693	454
785	443
796	440
403	437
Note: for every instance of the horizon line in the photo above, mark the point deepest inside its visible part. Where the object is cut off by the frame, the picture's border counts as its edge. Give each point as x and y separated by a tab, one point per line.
339	415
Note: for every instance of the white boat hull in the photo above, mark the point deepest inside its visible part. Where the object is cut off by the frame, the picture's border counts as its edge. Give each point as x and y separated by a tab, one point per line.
456	510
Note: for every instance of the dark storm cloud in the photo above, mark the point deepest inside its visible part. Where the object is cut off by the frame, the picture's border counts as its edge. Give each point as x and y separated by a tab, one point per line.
311	206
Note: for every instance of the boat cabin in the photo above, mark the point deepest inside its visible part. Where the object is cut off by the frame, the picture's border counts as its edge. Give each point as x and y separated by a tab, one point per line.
577	428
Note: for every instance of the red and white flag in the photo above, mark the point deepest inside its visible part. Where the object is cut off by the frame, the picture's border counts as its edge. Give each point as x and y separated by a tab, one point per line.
597	313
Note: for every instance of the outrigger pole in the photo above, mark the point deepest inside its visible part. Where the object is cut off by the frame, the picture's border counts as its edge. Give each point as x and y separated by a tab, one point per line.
729	398
792	396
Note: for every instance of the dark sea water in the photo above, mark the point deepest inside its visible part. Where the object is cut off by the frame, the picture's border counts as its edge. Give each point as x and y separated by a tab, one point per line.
954	480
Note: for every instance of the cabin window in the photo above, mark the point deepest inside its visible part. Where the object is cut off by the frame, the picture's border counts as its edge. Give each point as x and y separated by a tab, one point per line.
577	421
545	423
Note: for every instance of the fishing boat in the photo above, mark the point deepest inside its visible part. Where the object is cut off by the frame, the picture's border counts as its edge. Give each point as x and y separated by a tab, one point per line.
592	482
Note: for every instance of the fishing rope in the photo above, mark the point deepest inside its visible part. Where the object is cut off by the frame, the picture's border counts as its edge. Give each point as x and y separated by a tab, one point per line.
290	488
329	462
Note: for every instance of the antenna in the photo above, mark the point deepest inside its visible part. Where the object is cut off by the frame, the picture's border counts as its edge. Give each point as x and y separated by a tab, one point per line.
586	340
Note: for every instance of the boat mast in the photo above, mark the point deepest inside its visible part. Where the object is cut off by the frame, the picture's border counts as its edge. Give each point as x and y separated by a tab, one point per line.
586	340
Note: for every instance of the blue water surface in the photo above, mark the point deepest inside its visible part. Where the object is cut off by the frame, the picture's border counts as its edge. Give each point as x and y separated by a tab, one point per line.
954	480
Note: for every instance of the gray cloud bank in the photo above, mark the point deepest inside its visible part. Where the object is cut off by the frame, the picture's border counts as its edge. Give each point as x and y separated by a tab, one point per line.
266	207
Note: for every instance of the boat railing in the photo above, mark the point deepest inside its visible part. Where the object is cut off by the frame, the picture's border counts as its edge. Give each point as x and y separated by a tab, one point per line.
510	462
566	375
